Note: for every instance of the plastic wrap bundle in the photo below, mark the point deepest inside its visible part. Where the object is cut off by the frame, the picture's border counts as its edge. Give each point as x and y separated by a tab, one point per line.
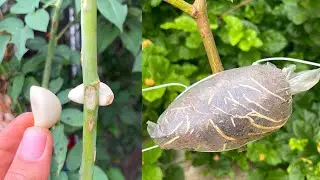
227	110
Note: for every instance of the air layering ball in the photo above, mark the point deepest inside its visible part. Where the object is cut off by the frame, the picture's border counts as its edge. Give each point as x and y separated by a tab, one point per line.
229	109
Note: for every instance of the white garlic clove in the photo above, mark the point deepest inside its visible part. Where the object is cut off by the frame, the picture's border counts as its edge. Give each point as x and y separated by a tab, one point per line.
106	95
76	94
46	107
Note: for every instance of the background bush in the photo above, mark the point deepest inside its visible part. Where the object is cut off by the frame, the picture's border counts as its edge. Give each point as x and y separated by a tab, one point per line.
24	26
173	52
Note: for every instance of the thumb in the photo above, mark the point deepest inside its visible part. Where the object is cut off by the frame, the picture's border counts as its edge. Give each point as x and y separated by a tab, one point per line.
33	157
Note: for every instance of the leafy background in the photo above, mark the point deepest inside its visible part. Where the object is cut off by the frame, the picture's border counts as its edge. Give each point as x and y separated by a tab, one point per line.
173	52
24	34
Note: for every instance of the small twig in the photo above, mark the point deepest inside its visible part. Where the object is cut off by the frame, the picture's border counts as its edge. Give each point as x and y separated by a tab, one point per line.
233	8
182	5
65	29
52	44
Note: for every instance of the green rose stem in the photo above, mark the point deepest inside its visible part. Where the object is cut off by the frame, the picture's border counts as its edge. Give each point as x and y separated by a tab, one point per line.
199	12
52	44
91	85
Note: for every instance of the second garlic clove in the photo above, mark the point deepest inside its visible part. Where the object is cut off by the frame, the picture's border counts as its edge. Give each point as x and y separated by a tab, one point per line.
106	95
46	107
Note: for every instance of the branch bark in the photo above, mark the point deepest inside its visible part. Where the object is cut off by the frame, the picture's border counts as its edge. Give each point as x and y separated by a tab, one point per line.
198	10
202	20
91	86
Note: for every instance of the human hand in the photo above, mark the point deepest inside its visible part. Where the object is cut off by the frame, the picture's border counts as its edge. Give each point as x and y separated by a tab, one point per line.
25	150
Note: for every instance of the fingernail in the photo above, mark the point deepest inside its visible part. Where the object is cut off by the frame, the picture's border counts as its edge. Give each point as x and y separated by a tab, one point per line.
33	144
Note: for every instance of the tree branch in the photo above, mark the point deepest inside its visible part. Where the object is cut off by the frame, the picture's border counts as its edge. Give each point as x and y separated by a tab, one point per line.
202	20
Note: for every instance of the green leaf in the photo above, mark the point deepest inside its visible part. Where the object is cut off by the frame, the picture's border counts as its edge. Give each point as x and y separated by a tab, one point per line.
24	6
235	29
103	40
155	3
114	11
151	172
2	2
273	41
154	94
11	24
32	65
260	151
256	174
132	39
298	144
55	85
277	174
99	174
115	174
63	176
73	175
174	172
36	44
38	20
183	23
72	117
19	34
75	57
247	58
19	39
150	157
194	40
29	81
60	149
295	171
63	96
201	158
73	160
17	86
296	14
64	52
128	116
4	40
249	40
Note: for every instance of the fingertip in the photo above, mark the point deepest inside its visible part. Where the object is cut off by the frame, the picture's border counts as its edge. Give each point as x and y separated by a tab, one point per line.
36	144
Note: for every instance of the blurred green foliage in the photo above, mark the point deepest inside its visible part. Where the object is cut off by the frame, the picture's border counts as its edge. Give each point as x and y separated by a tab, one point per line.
24	30
173	52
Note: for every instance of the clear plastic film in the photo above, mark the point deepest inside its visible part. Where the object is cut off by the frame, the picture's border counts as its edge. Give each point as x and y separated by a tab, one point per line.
301	81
